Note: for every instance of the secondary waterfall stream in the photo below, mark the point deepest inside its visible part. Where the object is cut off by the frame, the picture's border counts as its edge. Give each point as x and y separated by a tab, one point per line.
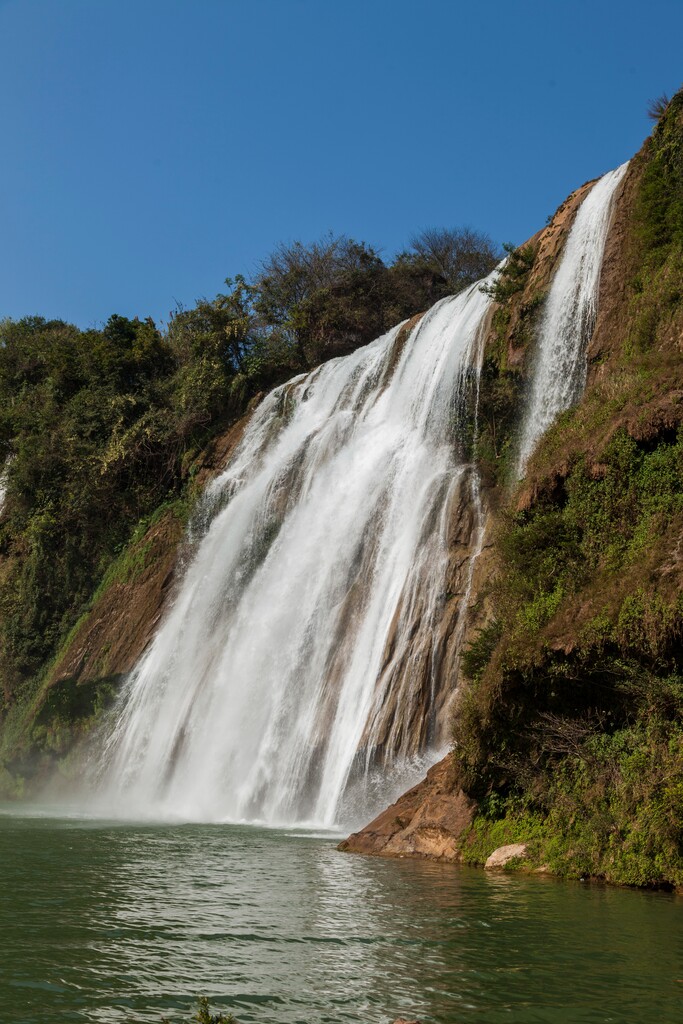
304	638
569	316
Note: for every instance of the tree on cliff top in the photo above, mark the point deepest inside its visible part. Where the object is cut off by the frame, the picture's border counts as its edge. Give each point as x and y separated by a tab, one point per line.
460	256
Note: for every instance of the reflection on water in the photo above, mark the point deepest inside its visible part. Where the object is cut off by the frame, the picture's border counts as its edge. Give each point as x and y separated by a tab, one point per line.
123	923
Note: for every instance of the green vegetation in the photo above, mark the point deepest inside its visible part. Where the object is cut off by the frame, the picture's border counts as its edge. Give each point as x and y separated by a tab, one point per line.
500	392
97	429
513	275
501	385
570	735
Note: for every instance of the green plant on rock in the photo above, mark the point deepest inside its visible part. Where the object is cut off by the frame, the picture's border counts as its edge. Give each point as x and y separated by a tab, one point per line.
513	275
203	1015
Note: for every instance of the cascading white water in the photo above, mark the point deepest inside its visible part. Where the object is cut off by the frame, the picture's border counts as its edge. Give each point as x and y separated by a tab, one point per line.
323	563
569	316
3	482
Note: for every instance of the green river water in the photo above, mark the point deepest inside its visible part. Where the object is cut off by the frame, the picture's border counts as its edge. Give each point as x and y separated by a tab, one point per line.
115	922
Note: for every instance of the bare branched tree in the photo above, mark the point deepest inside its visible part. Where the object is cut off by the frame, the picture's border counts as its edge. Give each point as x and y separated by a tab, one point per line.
558	734
292	272
657	108
460	256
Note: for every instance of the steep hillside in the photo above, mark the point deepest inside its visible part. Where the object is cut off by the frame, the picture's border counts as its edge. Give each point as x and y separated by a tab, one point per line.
569	733
42	727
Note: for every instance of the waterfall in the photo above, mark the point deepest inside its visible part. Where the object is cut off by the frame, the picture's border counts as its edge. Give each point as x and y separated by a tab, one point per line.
569	316
305	646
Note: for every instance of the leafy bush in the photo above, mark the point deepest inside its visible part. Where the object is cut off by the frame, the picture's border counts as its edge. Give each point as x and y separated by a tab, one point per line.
513	274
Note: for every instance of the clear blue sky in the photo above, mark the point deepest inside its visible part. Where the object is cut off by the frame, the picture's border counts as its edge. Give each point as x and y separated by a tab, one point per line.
150	148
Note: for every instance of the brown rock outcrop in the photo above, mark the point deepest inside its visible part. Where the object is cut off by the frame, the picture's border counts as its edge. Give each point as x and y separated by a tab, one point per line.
548	244
123	619
427	821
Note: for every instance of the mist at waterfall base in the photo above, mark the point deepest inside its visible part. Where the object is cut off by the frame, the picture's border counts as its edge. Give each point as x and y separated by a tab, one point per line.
303	636
302	646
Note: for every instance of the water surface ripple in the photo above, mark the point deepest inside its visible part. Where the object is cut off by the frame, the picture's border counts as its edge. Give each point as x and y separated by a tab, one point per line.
123	923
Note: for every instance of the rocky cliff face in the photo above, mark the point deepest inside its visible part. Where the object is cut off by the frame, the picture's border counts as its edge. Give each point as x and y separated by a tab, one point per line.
113	635
427	821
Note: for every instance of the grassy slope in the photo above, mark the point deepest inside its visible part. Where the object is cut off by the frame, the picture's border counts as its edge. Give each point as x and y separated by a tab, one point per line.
571	733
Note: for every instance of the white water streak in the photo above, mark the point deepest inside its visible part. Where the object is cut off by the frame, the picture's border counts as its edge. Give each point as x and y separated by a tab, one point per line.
569	316
263	686
4	473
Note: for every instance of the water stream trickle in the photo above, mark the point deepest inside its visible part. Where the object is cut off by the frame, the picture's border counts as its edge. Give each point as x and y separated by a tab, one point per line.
569	316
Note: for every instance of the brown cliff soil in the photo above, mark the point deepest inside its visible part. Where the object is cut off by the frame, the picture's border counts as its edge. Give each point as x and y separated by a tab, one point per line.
547	245
113	635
